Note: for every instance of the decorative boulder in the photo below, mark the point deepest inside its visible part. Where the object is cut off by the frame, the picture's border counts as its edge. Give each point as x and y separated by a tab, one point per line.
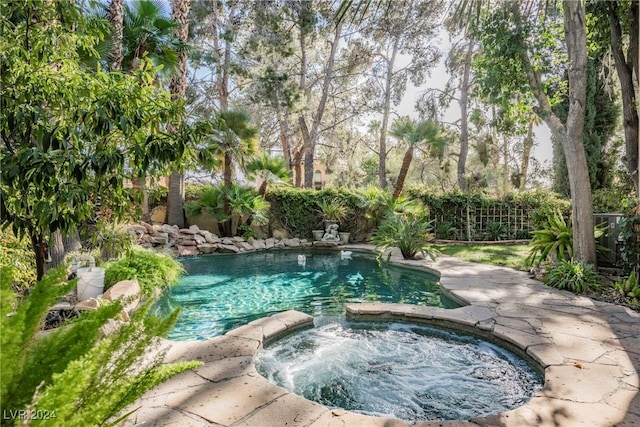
127	291
187	250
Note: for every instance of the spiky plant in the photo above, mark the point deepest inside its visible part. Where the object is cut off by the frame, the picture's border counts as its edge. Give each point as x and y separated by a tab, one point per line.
408	232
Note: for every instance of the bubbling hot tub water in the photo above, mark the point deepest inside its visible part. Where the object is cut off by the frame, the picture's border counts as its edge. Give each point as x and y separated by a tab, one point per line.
398	370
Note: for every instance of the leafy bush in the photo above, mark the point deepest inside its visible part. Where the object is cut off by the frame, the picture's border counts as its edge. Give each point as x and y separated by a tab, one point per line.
496	231
630	233
574	276
555	241
629	288
333	210
245	204
408	232
445	230
17	257
113	240
81	376
157	195
153	270
297	210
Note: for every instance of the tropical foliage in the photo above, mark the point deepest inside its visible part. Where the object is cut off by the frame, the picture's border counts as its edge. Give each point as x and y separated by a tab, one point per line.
574	276
269	171
79	374
408	232
629	288
246	207
554	242
66	128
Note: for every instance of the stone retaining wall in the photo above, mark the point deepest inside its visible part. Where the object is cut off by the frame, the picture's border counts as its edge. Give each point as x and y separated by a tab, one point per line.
194	241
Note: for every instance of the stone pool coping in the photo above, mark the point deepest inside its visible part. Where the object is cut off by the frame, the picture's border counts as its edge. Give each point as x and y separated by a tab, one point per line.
589	351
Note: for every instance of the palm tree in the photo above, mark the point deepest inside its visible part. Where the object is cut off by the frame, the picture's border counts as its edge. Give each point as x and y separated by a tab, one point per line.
414	135
178	87
234	140
149	32
116	18
270	170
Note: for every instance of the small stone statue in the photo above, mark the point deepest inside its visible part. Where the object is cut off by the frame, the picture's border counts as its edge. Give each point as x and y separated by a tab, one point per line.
331	234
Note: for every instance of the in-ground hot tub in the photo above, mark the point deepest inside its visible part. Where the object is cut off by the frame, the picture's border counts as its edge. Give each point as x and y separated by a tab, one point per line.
399	370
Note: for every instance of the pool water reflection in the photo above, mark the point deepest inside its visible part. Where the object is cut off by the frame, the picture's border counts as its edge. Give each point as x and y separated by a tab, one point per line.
222	292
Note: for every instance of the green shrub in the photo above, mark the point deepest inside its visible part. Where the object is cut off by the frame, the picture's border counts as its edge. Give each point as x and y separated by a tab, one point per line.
574	276
244	203
629	288
80	376
157	195
554	242
630	233
153	270
297	210
113	240
445	230
496	231
408	232
16	257
333	210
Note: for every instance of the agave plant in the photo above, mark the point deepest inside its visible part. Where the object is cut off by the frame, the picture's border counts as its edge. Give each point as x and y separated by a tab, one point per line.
408	232
555	241
333	210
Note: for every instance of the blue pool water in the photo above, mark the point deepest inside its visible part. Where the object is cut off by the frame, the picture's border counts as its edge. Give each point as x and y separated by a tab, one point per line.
222	292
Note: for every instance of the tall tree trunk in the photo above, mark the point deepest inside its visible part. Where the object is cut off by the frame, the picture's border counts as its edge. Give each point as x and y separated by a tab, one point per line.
175	200
527	145
404	169
625	68
571	134
297	167
178	87
61	245
584	246
224	62
116	17
283	132
505	165
310	143
382	144
37	244
464	120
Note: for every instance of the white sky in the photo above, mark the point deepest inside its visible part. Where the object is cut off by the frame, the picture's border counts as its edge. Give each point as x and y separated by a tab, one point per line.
543	150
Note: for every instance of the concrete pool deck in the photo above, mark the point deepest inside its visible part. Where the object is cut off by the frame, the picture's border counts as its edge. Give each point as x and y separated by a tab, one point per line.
589	351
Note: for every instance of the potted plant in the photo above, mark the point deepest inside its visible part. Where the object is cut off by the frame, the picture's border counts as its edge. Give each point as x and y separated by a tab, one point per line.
317	234
333	212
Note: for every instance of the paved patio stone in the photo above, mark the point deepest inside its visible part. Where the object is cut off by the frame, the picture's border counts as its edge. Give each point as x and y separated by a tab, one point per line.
226	402
225	369
588	350
342	418
166	417
288	410
522	339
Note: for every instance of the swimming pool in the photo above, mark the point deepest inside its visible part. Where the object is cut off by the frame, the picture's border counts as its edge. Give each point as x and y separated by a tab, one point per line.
222	292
